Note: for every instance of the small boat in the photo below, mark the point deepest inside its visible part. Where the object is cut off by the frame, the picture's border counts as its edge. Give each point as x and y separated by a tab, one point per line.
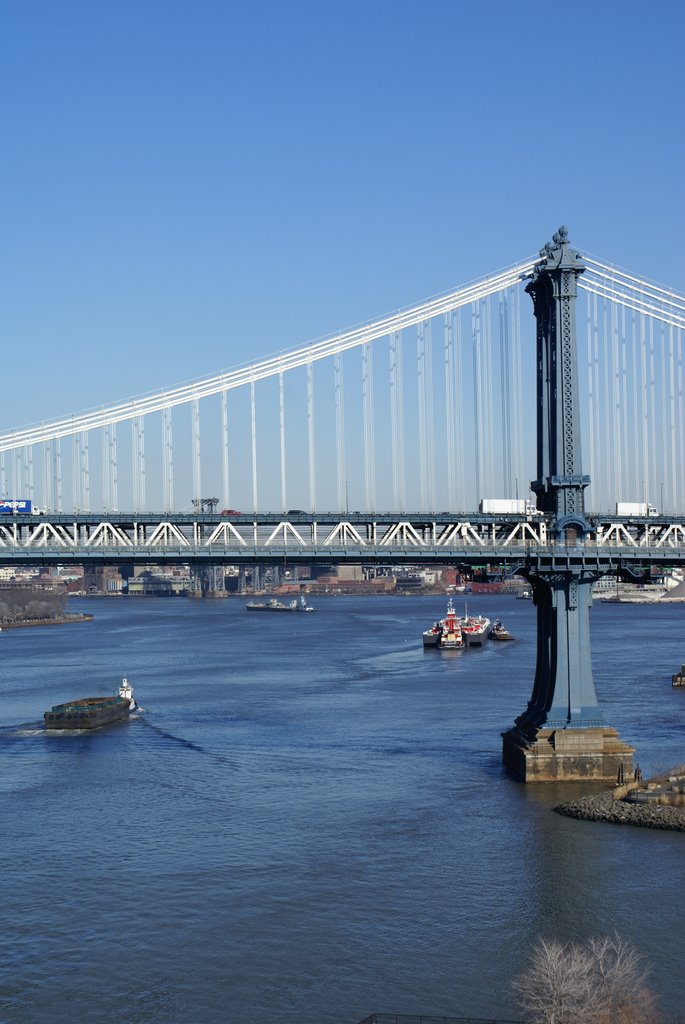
273	605
498	632
92	712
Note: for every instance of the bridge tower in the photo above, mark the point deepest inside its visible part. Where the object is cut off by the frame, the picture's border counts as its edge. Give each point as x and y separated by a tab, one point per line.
561	735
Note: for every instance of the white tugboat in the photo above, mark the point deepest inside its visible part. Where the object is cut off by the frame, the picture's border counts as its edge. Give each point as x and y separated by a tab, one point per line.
126	693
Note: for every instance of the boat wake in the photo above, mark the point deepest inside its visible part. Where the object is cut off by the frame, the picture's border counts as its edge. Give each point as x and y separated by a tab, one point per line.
24	730
188	744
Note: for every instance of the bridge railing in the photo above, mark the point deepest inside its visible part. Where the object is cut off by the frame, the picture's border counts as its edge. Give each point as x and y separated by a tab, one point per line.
403	1018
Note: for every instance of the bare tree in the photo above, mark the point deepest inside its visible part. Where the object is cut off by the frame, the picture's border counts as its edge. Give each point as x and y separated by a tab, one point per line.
556	987
603	982
21	604
621	976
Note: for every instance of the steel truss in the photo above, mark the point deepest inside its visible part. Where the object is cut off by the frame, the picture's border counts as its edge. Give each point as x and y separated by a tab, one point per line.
324	537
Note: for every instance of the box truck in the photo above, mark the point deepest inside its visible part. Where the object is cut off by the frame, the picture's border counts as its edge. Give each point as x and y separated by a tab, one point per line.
12	506
635	508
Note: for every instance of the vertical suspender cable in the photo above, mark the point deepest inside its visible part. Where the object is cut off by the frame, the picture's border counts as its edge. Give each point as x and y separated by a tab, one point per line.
28	456
106	500
680	432
47	476
225	466
399	391
3	474
196	451
607	404
652	416
138	440
58	474
664	429
448	372
397	420
489	449
672	488
601	491
135	483
281	430
477	409
507	432
85	471
253	422
168	458
644	411
311	447
113	468
340	431
459	473
635	404
660	411
590	390
615	402
430	416
19	487
369	443
141	450
75	472
421	380
520	451
627	463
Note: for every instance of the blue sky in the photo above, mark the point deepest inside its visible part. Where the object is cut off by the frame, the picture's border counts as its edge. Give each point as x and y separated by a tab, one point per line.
188	186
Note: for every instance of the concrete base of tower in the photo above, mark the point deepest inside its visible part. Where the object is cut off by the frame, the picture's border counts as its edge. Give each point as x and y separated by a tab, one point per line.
568	755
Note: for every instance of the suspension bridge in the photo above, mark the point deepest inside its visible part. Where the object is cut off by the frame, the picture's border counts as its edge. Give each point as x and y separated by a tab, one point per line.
429	409
432	408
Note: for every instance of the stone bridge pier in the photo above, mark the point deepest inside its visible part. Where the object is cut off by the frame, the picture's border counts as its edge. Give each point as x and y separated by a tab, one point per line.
561	736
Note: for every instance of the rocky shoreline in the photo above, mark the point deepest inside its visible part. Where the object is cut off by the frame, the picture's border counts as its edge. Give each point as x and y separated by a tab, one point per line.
605	807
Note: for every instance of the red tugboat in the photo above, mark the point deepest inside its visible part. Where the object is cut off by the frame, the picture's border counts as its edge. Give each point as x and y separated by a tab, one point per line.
452	632
445	633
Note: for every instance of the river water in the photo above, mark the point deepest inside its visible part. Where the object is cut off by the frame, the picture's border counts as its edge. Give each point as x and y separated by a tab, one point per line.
310	820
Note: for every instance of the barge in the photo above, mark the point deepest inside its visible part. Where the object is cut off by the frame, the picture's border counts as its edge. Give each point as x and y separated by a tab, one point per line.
272	605
92	712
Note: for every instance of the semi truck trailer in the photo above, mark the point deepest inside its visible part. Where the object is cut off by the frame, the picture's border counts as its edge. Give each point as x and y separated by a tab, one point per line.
508	507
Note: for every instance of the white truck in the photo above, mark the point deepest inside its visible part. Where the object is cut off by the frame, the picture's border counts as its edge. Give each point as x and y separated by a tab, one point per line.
508	507
635	508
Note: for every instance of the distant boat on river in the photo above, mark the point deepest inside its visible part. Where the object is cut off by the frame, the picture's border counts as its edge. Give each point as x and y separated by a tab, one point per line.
455	631
273	605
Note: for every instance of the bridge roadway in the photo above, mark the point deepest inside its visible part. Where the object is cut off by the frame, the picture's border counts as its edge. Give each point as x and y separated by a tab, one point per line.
328	538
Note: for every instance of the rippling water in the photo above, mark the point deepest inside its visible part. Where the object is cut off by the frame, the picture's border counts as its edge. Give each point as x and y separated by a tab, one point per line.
310	820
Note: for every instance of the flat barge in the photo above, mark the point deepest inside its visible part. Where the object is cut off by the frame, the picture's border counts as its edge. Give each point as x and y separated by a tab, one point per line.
92	712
